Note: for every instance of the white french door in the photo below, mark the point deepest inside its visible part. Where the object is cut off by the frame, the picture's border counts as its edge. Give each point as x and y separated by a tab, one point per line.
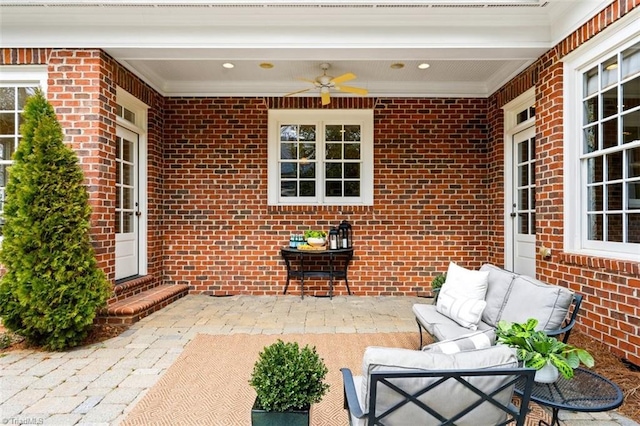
127	225
523	213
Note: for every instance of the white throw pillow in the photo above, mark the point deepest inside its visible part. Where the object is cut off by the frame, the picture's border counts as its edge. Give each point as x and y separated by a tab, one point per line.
463	310
470	284
467	342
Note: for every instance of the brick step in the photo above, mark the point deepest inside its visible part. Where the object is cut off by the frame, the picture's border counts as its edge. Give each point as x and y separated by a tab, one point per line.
133	286
133	308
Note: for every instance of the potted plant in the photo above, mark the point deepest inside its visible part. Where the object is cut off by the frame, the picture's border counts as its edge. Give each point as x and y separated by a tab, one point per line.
287	380
545	353
437	283
315	238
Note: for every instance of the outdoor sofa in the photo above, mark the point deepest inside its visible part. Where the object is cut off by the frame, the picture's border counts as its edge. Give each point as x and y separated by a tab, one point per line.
473	302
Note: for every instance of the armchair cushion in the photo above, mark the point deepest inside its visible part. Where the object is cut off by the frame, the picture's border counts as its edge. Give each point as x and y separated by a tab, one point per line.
392	360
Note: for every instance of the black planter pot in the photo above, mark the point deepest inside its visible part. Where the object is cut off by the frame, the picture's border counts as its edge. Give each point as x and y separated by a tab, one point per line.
261	417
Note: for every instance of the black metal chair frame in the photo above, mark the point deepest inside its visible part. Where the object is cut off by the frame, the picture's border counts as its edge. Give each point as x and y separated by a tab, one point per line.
566	328
514	413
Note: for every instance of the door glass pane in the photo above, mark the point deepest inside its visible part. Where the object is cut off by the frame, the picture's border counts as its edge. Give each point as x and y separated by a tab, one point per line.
352	133
288	170
127	172
127	151
127	222
308	133
523	195
523	223
523	175
289	132
633	191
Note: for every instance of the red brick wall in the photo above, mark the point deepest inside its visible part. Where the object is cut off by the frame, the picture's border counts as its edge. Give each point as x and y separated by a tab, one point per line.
82	89
611	309
430	196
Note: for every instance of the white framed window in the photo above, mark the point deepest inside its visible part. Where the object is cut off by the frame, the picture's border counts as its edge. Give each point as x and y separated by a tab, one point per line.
320	157
602	146
17	83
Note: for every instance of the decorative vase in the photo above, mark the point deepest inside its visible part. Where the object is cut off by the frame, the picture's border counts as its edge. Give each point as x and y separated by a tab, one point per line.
547	374
261	417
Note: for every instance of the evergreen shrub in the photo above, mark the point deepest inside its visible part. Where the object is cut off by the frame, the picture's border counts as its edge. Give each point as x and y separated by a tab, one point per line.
52	288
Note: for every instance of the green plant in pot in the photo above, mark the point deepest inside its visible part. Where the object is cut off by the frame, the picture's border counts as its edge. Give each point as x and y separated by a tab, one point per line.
538	350
288	380
437	283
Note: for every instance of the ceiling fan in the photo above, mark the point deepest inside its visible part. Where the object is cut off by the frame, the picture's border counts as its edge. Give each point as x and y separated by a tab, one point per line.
326	82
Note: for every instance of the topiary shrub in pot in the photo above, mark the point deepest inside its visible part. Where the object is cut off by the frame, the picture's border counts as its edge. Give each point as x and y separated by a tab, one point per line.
287	380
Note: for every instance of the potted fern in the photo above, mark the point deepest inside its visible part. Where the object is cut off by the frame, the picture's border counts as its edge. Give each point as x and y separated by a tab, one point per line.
546	354
436	285
288	380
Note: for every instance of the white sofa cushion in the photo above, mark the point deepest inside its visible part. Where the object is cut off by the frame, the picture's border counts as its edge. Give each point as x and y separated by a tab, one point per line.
440	326
465	311
377	359
466	342
471	284
498	288
531	298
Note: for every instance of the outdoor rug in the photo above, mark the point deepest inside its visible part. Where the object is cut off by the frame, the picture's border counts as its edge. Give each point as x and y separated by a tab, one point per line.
209	383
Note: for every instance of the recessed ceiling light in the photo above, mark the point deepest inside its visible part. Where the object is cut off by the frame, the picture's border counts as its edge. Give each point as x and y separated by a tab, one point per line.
611	67
424	66
228	65
266	65
397	66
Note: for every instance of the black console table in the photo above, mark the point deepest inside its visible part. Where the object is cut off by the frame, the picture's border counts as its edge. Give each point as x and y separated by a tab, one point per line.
332	264
586	392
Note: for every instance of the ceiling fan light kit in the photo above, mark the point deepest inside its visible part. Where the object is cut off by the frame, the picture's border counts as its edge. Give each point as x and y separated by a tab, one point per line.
326	83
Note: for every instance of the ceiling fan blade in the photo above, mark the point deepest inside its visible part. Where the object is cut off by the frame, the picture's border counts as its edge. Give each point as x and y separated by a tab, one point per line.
344	77
349	89
326	99
298	91
308	80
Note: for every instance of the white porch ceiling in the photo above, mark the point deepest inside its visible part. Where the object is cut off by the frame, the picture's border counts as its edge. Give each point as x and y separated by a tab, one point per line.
178	47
